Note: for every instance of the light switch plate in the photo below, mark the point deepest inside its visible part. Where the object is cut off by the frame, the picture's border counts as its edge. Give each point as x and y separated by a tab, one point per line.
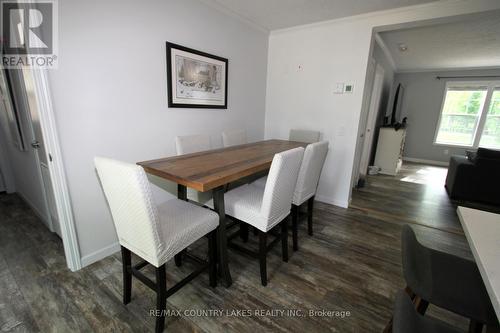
339	88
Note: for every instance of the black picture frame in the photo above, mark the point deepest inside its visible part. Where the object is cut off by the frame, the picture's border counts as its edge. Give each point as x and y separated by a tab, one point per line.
173	101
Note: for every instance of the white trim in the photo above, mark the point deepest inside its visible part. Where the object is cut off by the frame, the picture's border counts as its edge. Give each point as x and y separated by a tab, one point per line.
57	171
227	11
423	161
381	43
335	202
100	254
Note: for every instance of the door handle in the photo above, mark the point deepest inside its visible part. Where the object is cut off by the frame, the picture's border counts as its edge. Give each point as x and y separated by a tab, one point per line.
35	144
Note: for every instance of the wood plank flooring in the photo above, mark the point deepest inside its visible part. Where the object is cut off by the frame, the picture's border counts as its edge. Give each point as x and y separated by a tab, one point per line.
352	263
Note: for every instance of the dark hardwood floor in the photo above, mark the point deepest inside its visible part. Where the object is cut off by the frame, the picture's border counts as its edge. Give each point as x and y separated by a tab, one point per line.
352	263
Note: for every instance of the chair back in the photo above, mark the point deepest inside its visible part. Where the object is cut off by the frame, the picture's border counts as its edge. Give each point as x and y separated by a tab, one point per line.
416	260
192	144
278	193
304	135
310	171
134	213
234	137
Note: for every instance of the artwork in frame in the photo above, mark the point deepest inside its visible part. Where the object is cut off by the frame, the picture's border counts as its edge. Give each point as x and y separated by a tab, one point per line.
195	79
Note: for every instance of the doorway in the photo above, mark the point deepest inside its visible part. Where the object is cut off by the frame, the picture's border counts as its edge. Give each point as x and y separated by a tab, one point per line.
371	121
27	159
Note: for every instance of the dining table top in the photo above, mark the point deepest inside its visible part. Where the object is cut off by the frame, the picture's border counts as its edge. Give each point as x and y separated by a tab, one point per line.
482	230
207	170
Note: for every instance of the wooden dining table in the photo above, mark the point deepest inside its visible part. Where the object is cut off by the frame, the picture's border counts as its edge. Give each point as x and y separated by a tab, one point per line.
211	171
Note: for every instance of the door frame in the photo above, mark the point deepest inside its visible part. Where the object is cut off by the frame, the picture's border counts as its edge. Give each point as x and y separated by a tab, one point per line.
56	169
371	118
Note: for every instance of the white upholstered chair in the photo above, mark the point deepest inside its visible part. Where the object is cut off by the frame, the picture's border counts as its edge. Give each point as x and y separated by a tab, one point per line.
234	138
154	233
304	135
307	183
265	208
193	144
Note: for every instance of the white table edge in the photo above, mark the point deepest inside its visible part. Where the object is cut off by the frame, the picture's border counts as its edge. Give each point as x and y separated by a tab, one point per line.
491	292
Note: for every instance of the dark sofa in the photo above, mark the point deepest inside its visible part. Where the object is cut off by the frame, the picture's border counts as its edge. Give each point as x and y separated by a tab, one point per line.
475	177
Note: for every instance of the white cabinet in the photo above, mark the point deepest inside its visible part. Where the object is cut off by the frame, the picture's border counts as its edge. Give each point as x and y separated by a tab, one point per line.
389	155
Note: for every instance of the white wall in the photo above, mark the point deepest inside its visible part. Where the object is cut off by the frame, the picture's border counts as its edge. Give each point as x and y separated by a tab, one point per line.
422	101
330	52
110	95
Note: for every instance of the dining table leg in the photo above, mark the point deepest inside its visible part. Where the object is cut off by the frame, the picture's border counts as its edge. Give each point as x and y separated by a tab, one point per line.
218	197
181	195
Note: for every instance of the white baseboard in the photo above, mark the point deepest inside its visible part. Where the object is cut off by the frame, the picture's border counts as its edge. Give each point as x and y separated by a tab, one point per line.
335	202
423	161
100	254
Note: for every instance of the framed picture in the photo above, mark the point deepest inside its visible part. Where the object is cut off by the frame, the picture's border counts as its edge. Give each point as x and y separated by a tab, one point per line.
195	79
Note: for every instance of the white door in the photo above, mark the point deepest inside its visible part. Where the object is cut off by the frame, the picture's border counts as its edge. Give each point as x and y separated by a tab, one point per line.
39	147
378	83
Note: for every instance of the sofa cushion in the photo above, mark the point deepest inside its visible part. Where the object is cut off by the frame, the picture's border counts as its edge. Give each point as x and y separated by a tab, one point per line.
488	153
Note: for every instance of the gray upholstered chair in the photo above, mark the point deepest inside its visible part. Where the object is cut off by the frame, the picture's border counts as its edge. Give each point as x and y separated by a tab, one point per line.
266	208
304	135
408	320
154	233
307	184
234	138
445	280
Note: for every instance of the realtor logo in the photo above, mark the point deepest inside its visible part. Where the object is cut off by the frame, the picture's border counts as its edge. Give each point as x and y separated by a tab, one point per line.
28	33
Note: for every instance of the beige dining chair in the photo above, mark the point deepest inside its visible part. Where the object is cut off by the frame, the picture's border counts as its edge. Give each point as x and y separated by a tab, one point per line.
193	144
304	135
154	233
234	137
266	208
306	186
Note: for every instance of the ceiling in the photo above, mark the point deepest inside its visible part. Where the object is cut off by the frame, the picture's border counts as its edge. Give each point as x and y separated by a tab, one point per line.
278	14
469	43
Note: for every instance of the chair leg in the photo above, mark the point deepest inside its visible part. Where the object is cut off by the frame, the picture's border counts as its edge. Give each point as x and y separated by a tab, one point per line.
295	227
284	239
310	206
475	327
420	305
161	298
262	257
212	258
127	274
244	232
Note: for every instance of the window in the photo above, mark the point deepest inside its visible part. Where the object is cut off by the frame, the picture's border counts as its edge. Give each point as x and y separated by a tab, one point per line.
470	116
